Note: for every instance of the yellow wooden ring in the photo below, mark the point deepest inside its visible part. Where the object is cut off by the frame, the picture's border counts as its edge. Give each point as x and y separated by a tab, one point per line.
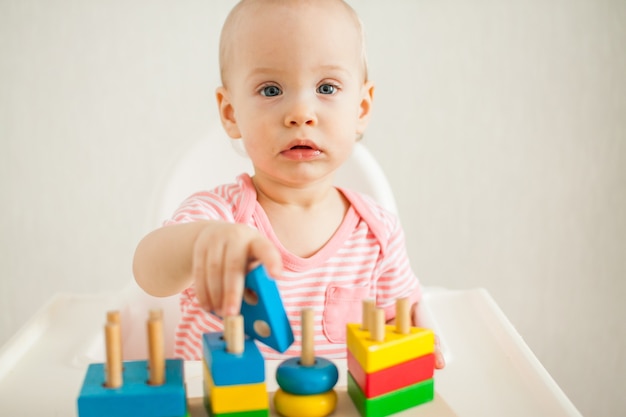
317	405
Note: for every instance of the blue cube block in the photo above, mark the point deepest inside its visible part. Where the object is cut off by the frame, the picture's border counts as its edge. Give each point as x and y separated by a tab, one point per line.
135	397
230	368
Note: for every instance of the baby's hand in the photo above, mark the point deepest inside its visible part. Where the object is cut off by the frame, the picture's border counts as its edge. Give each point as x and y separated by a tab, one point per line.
440	361
420	319
222	254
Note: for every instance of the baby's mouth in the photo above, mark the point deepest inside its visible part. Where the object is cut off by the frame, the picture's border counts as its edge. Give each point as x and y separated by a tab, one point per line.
302	152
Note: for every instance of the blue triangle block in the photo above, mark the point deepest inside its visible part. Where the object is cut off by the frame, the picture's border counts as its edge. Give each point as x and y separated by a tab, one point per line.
264	315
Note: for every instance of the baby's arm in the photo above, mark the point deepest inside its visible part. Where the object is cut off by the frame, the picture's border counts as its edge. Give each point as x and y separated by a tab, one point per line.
421	318
212	255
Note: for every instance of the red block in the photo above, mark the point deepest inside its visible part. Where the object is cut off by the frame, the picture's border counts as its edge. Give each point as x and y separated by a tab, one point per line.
392	378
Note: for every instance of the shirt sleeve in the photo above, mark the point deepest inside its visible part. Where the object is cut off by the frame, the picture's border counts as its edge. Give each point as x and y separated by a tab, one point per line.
206	205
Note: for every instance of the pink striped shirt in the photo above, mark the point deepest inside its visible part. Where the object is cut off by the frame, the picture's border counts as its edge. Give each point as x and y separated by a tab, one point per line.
365	258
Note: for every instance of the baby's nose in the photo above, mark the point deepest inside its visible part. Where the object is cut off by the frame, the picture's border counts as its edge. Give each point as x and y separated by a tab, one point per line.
300	113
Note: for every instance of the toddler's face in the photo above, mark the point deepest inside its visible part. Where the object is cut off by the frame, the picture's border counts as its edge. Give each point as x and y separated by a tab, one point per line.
295	88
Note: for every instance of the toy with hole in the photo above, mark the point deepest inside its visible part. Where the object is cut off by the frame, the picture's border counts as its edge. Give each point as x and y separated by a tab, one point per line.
262	308
234	373
390	368
306	383
153	388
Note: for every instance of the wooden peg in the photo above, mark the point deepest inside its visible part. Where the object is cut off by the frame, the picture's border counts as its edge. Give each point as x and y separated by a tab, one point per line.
233	332
113	316
307	355
368	306
156	314
113	343
227	327
156	356
377	330
403	316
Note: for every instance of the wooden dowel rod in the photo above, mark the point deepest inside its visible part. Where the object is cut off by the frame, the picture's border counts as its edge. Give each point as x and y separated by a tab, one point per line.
113	343
156	314
307	355
366	314
226	328
156	356
403	316
113	317
234	334
377	331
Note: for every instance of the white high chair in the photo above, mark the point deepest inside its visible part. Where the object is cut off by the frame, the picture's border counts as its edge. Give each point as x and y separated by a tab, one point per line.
207	163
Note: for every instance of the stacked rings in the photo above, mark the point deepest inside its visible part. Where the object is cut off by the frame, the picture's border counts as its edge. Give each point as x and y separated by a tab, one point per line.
306	391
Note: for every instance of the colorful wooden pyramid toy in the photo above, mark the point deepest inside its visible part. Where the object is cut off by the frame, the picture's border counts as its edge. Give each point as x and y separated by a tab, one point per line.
306	382
153	388
234	368
234	373
390	368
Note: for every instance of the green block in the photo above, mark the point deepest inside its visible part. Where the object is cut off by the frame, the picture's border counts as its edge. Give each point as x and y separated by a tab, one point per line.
250	413
253	413
392	402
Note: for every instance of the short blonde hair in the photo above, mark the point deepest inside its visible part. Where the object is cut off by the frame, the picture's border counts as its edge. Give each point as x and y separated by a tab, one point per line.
235	14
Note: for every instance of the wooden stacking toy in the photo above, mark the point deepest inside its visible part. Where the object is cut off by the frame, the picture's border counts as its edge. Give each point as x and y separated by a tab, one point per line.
152	388
234	373
262	308
390	368
306	382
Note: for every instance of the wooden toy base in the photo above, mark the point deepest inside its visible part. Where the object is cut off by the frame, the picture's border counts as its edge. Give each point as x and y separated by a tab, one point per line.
135	397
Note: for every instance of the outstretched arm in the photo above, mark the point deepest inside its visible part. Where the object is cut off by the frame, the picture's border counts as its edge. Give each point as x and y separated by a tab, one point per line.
212	255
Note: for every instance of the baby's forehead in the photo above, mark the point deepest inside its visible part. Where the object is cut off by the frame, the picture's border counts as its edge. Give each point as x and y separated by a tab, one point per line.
251	11
245	10
253	6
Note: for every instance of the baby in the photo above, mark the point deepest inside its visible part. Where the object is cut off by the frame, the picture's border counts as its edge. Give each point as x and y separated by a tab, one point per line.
295	91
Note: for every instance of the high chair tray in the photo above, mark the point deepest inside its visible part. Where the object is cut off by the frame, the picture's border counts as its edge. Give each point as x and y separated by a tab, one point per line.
490	371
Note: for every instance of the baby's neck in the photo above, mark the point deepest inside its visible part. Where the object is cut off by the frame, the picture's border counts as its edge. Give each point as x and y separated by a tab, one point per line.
305	196
303	219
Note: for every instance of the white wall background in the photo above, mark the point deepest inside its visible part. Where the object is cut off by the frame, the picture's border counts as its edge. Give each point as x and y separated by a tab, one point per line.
501	125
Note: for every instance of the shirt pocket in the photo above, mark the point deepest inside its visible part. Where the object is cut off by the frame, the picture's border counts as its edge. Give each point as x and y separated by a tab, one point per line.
342	305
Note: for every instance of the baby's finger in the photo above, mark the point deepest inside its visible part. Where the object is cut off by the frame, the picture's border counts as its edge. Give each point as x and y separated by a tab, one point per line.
214	274
198	277
234	264
440	361
263	251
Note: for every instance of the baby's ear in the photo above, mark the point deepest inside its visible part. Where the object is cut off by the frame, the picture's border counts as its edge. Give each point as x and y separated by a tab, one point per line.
365	107
227	113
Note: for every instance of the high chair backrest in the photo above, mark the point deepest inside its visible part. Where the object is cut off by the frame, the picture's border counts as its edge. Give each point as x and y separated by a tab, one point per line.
206	164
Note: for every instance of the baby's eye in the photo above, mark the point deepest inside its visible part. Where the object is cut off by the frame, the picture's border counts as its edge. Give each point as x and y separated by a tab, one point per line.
271	91
327	89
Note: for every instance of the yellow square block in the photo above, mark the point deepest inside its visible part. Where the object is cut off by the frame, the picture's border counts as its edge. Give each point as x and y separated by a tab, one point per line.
235	398
395	349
